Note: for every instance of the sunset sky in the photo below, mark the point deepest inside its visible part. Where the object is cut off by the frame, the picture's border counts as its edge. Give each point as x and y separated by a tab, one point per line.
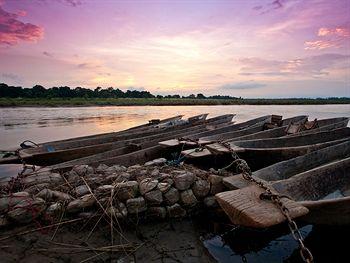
282	48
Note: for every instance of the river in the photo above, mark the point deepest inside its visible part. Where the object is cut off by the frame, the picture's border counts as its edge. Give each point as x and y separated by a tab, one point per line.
41	124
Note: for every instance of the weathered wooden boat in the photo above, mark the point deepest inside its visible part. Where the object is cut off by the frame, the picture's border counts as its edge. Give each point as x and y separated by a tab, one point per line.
125	148
39	157
126	156
193	140
111	137
10	156
286	169
258	127
284	131
258	131
324	125
141	146
263	152
320	195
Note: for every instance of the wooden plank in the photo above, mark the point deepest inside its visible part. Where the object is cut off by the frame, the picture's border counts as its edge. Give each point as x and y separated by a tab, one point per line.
192	153
217	148
235	182
244	207
169	143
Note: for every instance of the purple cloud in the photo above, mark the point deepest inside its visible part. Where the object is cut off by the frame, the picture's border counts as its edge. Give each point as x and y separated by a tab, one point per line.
13	31
274	5
88	65
314	65
45	53
242	85
73	3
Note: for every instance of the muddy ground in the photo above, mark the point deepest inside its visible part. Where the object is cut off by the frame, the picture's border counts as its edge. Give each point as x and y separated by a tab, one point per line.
176	241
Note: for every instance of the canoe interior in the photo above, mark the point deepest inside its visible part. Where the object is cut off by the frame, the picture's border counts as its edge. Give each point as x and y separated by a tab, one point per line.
230	128
253	131
286	169
295	141
326	125
318	183
188	140
324	191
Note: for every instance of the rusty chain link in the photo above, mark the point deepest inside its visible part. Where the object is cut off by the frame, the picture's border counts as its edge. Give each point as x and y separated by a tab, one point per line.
243	167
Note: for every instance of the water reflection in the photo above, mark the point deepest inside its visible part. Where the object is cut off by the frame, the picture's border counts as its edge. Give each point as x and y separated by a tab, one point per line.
236	244
269	245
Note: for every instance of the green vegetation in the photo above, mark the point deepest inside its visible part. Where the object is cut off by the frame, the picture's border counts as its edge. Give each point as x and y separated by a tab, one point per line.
11	96
56	102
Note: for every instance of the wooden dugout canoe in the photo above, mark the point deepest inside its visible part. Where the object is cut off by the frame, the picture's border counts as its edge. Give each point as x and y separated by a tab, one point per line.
286	169
255	132
320	195
91	139
132	158
143	143
258	127
263	152
322	125
44	158
325	125
110	137
191	140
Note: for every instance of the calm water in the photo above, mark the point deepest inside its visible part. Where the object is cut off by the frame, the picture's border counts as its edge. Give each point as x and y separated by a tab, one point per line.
47	124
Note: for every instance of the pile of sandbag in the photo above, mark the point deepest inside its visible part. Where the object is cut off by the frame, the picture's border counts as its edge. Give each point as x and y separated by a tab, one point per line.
152	190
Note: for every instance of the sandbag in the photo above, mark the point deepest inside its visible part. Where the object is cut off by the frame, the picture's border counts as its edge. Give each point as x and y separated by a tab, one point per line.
81	203
50	195
8	202
27	210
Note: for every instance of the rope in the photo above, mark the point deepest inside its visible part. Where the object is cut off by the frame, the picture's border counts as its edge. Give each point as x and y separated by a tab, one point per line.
180	159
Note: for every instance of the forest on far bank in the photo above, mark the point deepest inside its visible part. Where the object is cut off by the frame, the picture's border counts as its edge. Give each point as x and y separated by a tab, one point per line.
66	96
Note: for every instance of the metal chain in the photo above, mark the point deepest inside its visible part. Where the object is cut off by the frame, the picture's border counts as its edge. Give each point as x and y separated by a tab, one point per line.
243	167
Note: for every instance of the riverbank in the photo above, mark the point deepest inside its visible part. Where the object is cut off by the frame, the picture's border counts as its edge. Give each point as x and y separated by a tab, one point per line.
177	241
64	102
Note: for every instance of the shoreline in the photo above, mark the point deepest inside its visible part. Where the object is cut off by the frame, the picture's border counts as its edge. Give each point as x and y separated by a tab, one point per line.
80	102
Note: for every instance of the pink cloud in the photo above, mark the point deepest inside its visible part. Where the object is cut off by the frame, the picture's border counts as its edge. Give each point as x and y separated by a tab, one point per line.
338	31
320	44
307	66
12	30
329	38
21	13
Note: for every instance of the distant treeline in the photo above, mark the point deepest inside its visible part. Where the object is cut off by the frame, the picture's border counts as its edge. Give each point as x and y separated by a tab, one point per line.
65	96
39	91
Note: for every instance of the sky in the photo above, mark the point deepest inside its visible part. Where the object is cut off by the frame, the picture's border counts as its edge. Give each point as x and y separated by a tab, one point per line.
247	48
